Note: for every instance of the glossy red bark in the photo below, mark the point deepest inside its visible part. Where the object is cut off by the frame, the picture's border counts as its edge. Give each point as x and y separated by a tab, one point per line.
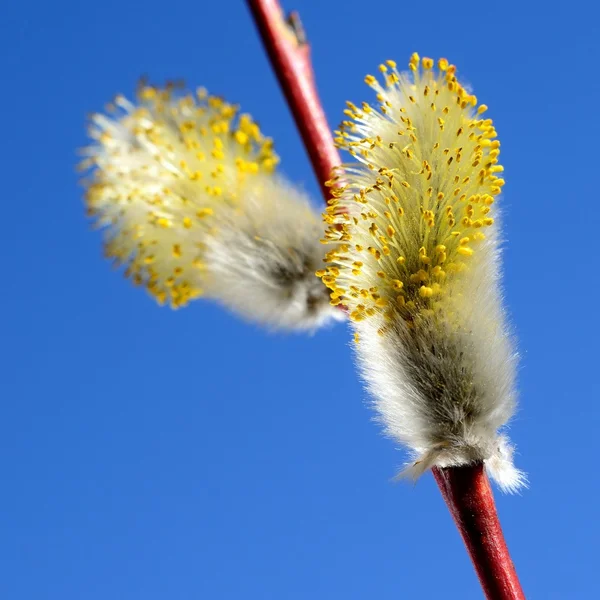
469	497
289	54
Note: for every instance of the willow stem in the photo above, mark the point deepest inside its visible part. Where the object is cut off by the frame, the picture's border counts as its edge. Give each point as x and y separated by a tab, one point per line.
466	490
289	53
468	494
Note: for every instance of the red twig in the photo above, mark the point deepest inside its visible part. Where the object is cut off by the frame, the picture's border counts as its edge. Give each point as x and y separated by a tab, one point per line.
466	490
469	497
289	53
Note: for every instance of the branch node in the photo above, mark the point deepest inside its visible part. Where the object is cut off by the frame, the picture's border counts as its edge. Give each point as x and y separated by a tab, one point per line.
294	21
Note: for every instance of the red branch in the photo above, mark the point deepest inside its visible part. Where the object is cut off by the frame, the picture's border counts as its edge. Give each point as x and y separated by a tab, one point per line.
289	53
469	497
466	490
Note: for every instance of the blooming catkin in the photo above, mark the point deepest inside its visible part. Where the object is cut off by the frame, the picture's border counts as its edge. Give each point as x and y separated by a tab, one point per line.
417	265
186	192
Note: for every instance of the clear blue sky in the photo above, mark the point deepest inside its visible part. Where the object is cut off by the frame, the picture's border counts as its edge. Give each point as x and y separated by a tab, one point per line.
150	455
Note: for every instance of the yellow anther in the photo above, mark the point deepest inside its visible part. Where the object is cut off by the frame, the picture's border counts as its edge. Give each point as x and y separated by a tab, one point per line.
204	212
438	272
147	93
241	137
421	275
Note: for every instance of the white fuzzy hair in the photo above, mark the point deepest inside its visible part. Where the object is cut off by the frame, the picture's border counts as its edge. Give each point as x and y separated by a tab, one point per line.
418	274
262	262
445	391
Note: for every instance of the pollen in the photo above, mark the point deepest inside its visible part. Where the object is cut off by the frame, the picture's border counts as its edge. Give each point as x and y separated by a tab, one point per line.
419	196
162	172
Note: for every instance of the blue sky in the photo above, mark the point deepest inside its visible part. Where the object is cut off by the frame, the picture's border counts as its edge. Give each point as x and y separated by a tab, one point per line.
149	454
